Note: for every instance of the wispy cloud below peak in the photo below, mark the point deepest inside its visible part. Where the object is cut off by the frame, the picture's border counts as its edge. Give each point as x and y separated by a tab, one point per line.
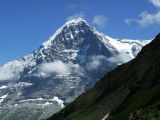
58	67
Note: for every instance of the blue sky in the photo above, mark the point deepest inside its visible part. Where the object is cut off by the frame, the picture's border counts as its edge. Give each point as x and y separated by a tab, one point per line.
26	24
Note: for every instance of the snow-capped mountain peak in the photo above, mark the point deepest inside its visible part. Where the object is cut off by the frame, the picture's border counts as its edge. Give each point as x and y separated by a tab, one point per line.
76	22
64	66
73	22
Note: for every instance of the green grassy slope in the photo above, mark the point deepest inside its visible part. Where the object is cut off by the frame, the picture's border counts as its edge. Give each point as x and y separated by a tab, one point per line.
125	90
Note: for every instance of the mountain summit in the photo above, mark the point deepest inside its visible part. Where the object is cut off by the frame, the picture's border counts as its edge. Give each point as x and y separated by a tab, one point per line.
62	68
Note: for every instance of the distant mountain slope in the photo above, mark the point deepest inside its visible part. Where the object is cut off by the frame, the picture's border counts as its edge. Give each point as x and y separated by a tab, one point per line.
123	92
62	68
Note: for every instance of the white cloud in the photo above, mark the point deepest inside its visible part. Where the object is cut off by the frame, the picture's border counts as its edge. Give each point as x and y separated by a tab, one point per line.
145	19
148	19
120	58
11	70
96	61
76	15
155	2
6	74
57	67
100	20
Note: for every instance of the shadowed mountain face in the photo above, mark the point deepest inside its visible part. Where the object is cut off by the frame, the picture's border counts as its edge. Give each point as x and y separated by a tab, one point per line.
131	91
68	64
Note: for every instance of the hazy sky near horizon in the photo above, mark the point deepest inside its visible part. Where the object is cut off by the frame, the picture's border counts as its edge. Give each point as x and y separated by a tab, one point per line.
26	24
